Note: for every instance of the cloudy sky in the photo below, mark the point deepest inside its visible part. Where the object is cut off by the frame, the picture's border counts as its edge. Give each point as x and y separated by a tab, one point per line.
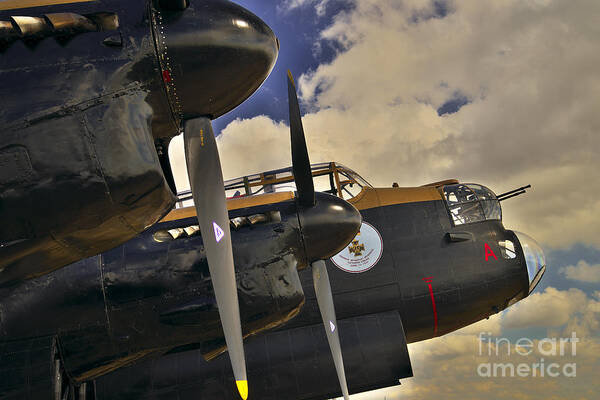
503	93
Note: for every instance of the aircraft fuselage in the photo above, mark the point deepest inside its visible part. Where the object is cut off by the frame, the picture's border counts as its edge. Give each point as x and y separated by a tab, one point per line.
153	294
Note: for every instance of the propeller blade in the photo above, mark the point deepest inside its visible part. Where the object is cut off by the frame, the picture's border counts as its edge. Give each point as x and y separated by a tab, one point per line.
325	302
300	161
206	180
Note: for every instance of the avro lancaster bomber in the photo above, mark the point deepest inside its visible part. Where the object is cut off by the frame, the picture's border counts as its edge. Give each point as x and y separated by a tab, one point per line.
333	284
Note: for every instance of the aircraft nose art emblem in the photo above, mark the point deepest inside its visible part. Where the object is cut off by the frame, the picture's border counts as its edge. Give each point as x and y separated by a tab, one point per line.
363	253
356	248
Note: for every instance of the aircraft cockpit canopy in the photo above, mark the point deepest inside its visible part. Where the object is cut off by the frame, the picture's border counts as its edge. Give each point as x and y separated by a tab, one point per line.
329	177
470	202
332	178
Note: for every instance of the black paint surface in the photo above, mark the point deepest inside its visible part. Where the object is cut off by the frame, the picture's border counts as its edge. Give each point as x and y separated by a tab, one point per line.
146	298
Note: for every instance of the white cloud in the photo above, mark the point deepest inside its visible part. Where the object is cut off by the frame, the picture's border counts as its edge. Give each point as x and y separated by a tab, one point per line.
245	146
583	272
532	119
550	308
290	5
493	325
559	311
529	69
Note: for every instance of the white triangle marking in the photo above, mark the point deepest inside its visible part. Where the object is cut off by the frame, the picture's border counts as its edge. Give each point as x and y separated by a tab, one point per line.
332	326
218	232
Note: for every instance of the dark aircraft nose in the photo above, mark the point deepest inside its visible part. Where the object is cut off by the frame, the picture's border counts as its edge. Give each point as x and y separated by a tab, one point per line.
213	54
328	226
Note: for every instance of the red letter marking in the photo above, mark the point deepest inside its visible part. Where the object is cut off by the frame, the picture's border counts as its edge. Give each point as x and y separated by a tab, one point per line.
166	76
435	319
489	252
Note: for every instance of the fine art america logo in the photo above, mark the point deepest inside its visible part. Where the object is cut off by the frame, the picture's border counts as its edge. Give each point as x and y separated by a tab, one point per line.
362	253
523	352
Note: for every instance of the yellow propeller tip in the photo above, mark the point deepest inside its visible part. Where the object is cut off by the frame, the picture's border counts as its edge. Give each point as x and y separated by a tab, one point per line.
243	389
291	78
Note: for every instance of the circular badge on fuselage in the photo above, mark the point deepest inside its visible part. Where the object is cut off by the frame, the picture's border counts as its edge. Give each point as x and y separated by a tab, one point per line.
362	253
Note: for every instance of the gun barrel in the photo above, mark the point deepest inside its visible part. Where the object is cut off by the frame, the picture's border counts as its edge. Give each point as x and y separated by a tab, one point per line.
512	195
522	188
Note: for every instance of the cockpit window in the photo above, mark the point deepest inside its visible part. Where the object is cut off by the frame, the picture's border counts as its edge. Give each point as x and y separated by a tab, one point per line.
487	198
470	203
459	194
351	184
331	178
482	192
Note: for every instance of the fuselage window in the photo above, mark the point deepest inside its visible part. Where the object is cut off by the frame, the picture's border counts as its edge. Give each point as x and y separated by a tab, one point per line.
507	248
471	203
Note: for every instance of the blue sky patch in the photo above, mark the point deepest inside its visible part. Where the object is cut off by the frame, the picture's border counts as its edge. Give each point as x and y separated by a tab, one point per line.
298	32
454	104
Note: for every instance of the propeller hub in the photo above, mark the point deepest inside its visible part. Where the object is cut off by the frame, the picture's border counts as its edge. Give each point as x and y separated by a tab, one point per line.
213	55
328	226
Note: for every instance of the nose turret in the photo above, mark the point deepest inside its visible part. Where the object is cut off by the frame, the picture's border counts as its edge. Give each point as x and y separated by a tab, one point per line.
213	54
535	260
328	226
